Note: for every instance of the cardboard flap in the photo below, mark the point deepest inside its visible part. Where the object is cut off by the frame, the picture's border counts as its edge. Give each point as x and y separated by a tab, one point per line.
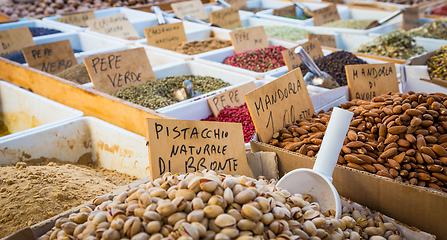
263	164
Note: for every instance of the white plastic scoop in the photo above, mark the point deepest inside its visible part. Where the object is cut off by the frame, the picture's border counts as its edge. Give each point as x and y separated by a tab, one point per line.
318	181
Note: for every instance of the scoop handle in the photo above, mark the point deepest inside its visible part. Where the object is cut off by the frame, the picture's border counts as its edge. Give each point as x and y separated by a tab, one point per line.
332	142
159	13
302	54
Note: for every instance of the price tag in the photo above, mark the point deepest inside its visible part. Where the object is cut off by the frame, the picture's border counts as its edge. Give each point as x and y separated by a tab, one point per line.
116	25
249	39
226	18
110	72
231	98
238	3
312	48
181	146
165	36
410	18
194	9
77	19
325	15
366	81
50	57
14	39
285	11
325	40
278	103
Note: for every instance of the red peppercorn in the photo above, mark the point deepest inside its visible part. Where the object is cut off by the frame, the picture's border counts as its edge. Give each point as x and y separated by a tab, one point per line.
259	60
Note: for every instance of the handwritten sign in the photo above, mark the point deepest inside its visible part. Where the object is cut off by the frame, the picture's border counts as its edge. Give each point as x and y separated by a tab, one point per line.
249	39
110	72
410	18
231	98
312	48
226	18
325	15
77	19
116	25
238	3
194	9
13	40
366	81
285	11
325	40
278	103
180	146
165	36
50	57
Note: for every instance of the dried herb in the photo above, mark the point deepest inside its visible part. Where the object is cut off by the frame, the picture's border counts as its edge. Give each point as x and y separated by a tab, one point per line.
159	93
296	17
253	10
259	60
396	44
436	29
437	64
196	47
350	23
77	74
282	32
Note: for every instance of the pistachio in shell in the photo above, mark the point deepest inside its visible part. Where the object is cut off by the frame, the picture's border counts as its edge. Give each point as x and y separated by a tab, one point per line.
166	208
187	229
111	234
225	221
132	226
153	227
252	213
212	211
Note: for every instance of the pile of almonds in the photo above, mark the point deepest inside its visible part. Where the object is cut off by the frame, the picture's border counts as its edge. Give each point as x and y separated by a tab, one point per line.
398	136
208	205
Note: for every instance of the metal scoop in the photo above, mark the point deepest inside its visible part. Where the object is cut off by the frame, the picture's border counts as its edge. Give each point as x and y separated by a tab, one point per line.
306	11
186	92
318	181
159	13
315	77
223	3
385	19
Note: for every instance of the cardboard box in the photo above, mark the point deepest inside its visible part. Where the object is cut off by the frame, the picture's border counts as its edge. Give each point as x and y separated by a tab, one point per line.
415	206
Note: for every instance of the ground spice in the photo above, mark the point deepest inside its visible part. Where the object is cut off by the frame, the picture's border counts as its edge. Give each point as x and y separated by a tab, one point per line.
196	47
159	93
396	44
436	29
31	193
4	129
236	115
437	64
350	23
282	32
334	64
19	58
77	74
259	60
40	31
253	10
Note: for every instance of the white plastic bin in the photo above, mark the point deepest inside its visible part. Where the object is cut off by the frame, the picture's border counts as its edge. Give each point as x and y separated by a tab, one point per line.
216	58
343	11
37	23
109	146
24	112
209	8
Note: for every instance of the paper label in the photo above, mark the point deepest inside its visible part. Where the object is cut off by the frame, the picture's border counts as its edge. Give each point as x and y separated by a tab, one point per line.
165	36
231	98
116	25
278	103
411	18
367	81
110	72
226	18
285	11
77	19
194	9
249	39
238	3
50	57
325	40
180	146
312	48
325	15
14	39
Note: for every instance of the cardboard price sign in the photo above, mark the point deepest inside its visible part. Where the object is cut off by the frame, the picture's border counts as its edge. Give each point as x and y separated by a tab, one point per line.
226	18
249	39
312	48
237	3
116	25
278	103
410	18
367	81
325	40
14	39
231	98
325	15
285	11
110	72
166	35
77	19
194	9
180	146
50	57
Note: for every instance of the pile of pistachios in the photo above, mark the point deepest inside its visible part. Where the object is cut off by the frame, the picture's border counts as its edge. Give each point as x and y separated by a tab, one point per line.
208	205
437	64
350	23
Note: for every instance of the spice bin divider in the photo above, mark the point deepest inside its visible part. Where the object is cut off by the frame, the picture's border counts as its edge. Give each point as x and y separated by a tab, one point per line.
24	112
38	23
